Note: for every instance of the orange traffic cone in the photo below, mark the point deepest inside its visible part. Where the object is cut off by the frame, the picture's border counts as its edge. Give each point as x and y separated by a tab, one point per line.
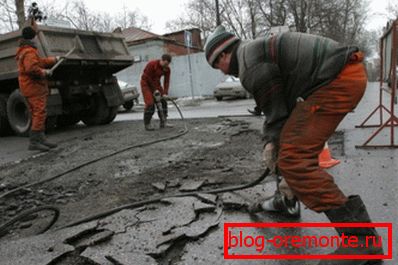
325	159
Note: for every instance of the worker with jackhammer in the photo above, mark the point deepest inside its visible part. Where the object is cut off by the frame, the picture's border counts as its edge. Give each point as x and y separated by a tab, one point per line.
33	73
305	85
153	92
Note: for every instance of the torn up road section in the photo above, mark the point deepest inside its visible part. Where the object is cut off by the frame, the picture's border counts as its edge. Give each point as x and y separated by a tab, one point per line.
153	234
187	230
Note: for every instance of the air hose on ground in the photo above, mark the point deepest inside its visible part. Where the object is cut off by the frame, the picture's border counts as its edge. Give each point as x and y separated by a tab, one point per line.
156	200
24	187
24	214
126	206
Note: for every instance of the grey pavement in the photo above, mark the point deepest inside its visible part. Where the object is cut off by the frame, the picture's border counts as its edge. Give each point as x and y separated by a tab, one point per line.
197	109
13	149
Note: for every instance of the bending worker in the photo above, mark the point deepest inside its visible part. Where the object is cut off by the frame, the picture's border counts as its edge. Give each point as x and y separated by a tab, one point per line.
305	85
150	82
33	86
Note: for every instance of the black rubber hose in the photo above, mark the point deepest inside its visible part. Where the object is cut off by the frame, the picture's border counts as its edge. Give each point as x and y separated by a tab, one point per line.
155	200
5	226
23	187
127	206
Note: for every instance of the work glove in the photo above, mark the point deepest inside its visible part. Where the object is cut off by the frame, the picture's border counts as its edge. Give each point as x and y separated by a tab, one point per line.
165	97
48	72
270	156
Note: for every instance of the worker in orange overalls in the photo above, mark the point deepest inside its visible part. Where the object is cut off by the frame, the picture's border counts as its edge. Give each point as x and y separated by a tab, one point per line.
150	82
305	85
33	86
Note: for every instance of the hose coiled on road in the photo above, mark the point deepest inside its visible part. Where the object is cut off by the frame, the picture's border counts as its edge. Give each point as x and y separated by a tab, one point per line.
26	186
126	206
4	227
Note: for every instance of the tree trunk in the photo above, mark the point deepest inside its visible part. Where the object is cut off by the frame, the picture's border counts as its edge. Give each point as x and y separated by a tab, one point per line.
20	11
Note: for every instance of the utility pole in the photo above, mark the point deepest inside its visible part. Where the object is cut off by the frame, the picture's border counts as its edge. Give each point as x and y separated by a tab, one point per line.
218	21
188	44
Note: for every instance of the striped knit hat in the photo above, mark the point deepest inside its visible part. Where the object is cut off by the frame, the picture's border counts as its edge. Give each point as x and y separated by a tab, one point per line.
217	42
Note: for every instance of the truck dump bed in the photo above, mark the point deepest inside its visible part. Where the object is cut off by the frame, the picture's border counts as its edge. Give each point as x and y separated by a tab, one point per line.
96	53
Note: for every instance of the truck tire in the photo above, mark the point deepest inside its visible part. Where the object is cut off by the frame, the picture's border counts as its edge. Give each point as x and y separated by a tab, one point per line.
111	116
5	128
18	113
128	105
67	120
98	111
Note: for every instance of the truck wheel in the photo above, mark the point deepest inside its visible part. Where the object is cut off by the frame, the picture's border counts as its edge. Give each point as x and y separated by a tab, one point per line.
98	111
5	128
219	98
111	116
67	120
18	113
128	105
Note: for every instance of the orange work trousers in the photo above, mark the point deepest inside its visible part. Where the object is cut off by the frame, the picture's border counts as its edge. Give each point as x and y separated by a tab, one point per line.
309	126
37	106
147	94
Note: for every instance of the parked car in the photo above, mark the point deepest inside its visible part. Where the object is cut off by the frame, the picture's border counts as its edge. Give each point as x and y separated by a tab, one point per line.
231	87
130	94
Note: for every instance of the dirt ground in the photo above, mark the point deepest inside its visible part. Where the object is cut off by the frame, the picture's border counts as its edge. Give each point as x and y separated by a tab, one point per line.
218	151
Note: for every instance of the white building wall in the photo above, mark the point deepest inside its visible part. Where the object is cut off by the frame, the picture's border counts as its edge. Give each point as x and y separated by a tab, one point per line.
204	78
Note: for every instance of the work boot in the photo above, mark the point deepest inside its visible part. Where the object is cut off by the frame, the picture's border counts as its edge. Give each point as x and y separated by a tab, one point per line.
44	141
165	124
278	204
256	111
149	127
147	121
354	211
35	143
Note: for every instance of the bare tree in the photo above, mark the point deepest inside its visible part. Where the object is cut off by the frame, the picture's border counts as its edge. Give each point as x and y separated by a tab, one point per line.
392	9
7	16
274	12
300	10
128	18
252	12
81	17
199	14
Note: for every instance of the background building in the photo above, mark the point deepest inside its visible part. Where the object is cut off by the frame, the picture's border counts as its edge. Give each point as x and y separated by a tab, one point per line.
145	46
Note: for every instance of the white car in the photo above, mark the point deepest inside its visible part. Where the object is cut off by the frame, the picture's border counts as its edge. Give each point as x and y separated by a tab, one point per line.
130	94
231	87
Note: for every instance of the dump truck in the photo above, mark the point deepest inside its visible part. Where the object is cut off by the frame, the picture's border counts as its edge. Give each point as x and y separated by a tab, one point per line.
82	88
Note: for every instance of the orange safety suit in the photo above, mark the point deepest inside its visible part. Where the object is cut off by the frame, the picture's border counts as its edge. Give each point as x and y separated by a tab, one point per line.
309	126
150	81
32	81
305	85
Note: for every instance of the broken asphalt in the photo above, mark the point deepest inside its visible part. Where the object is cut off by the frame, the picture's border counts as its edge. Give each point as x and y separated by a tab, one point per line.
217	152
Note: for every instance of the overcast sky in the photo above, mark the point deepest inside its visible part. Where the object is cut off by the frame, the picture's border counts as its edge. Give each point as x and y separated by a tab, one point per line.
161	11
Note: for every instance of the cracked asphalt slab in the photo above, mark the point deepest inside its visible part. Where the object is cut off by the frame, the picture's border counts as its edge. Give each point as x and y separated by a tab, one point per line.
217	152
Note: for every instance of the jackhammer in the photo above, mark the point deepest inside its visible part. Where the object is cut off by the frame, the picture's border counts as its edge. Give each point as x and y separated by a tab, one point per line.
158	102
